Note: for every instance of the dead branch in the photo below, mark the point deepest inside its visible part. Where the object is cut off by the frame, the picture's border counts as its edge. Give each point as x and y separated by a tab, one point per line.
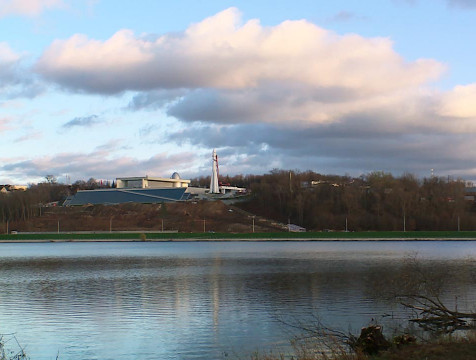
433	315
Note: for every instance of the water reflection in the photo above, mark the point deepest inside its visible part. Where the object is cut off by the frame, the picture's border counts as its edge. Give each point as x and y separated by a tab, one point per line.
190	300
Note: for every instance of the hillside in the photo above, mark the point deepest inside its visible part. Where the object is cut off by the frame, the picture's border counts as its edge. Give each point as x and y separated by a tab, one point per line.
184	217
375	202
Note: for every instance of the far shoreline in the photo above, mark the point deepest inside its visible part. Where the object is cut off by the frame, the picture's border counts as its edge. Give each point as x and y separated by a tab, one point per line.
158	236
204	240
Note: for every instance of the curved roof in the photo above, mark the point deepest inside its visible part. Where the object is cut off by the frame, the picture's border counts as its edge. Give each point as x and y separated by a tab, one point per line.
118	196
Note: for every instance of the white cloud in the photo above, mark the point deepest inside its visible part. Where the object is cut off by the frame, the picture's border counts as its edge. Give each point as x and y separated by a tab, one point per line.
293	95
460	102
97	164
221	52
5	124
27	7
32	135
7	55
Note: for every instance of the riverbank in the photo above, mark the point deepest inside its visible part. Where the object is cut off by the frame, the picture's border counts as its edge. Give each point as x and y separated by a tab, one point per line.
441	349
277	236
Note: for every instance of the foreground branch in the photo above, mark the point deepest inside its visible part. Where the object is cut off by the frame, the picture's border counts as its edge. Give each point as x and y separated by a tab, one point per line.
433	315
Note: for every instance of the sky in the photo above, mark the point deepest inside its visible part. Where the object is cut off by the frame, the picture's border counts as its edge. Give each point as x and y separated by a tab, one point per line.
113	88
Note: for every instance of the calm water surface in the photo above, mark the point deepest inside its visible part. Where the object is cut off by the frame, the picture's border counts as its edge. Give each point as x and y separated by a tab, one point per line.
185	300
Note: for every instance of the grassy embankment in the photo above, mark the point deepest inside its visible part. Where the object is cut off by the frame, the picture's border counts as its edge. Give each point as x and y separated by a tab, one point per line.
150	236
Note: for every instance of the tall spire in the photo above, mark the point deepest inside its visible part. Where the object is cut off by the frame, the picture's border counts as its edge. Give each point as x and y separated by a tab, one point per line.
214	179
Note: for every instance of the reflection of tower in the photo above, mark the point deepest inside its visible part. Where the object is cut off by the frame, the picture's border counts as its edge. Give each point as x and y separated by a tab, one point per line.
214	180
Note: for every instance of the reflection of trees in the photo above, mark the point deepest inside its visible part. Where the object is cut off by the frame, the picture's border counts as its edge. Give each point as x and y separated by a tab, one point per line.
440	296
219	293
181	286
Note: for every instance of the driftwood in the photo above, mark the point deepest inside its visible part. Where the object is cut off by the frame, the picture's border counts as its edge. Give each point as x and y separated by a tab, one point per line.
433	315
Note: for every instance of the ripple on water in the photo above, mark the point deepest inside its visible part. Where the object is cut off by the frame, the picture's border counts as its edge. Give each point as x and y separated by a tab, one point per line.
193	301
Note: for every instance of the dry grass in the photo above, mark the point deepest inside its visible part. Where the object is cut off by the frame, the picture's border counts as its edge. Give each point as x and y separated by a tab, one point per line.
445	348
181	216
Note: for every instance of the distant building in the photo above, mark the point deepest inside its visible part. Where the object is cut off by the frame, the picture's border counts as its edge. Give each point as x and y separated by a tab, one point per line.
4	189
144	190
147	182
121	196
295	228
232	190
470	193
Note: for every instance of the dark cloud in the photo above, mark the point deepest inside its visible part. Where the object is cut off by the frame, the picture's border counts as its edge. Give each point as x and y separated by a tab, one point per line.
260	147
85	121
154	100
217	107
271	102
464	4
16	80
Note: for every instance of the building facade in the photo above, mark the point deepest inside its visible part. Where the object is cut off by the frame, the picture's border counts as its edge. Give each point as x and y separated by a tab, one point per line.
146	182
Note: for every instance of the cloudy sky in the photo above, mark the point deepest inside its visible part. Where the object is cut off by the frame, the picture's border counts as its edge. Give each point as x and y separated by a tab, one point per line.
108	88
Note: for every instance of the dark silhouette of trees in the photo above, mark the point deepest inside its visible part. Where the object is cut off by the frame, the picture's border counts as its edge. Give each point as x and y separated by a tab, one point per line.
22	205
375	201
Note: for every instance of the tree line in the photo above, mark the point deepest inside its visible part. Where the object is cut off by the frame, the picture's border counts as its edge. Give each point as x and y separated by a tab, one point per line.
22	205
375	201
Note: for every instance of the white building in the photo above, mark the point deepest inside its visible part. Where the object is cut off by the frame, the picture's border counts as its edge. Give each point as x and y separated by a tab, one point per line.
147	182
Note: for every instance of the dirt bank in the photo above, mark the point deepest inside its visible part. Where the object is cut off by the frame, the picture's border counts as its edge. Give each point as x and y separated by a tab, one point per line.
208	216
